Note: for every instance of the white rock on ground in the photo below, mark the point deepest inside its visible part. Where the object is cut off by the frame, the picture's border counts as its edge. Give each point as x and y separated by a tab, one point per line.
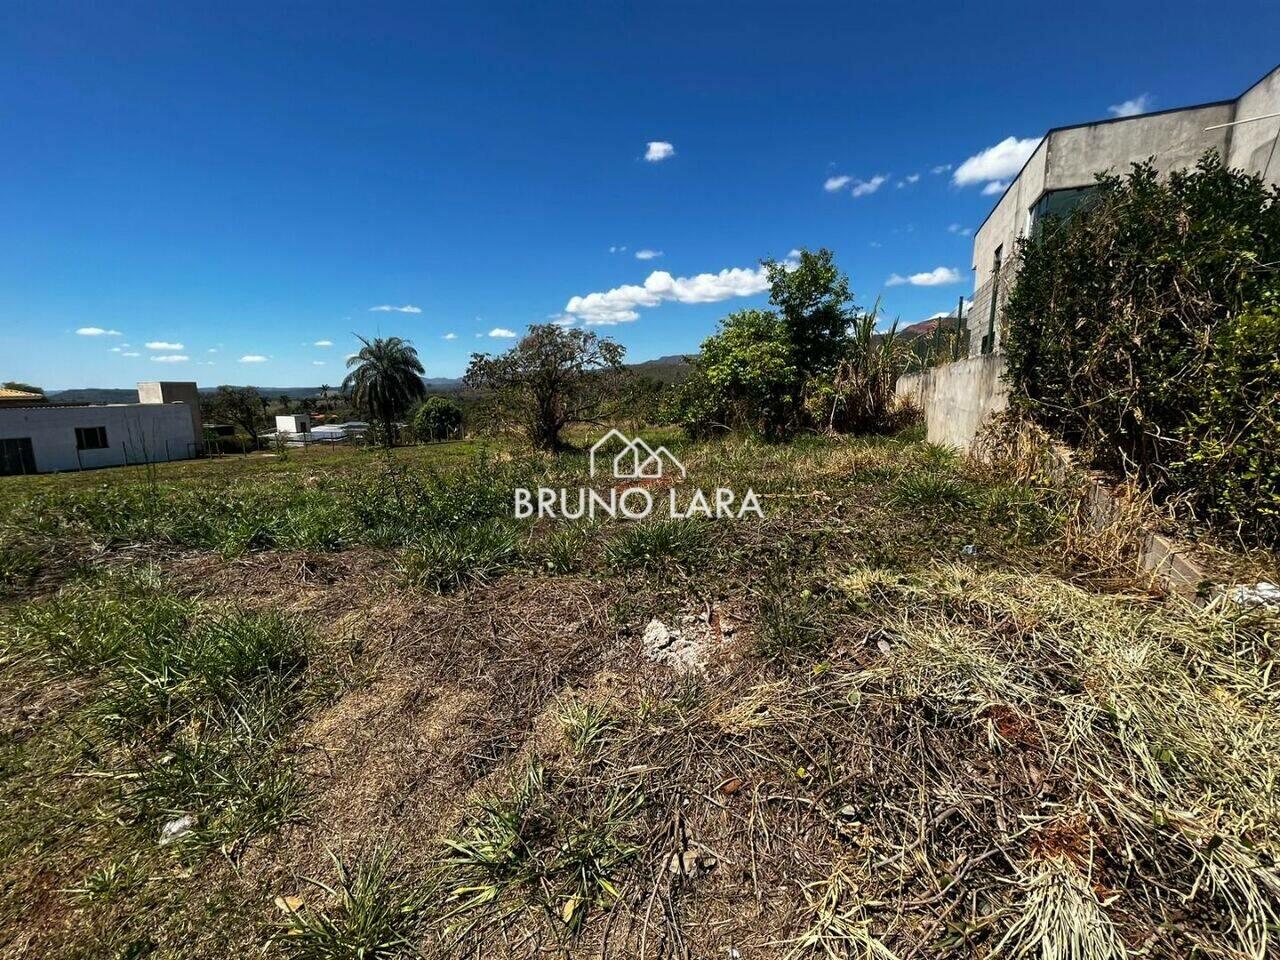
177	829
687	647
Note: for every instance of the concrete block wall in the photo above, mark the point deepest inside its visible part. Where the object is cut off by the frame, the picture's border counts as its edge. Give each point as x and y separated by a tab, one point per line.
958	399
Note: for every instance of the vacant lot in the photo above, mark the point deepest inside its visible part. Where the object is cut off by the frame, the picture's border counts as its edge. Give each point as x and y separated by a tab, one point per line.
348	707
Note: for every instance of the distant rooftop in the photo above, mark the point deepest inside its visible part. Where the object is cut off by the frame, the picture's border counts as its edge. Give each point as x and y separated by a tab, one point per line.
20	396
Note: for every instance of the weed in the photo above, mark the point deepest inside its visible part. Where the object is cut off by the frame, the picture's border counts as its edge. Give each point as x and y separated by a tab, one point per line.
448	560
112	881
922	490
584	724
563	551
789	617
531	850
374	914
656	545
227	770
19	565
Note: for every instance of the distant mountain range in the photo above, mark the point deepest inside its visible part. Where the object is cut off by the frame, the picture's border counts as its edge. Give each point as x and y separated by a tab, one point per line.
670	369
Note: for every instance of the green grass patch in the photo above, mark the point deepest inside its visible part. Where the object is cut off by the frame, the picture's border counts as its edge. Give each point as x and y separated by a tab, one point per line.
445	561
657	545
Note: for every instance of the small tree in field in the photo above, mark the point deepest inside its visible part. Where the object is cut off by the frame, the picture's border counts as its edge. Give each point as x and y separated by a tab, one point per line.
553	378
437	419
242	406
385	380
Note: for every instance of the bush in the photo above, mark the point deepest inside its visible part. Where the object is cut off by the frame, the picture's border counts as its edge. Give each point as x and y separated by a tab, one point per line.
1232	456
1143	331
860	396
439	418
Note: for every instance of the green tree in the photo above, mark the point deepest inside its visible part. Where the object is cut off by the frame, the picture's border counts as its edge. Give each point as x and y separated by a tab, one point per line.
553	378
438	418
385	379
747	376
812	296
242	406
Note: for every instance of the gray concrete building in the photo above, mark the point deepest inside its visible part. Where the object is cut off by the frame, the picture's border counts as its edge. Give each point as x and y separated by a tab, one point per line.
48	437
1064	166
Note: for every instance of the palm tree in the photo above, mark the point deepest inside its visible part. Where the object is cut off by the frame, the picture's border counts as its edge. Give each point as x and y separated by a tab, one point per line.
385	380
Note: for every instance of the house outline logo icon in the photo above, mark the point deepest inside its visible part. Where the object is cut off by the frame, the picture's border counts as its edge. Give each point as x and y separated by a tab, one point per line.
638	460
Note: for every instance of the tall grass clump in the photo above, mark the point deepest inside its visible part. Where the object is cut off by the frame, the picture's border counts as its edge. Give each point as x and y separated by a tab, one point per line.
370	912
657	545
564	549
448	560
528	853
19	565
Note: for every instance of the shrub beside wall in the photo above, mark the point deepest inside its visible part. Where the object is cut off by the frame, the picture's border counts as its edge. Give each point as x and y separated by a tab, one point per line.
1145	330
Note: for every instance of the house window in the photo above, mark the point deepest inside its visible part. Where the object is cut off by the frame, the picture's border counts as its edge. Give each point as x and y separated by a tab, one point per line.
1059	204
91	438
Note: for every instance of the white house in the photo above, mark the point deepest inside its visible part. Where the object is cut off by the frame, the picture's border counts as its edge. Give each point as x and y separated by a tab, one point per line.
49	437
293	423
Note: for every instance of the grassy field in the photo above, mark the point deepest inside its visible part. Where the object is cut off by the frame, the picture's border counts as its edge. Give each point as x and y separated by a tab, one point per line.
342	704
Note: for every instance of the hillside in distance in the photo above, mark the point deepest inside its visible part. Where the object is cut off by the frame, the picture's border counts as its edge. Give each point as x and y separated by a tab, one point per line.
670	369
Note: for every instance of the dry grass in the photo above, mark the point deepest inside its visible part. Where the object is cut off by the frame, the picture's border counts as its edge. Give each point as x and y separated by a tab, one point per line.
905	749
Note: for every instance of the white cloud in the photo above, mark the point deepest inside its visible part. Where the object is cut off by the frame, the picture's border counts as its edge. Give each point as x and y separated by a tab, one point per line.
936	277
862	188
994	187
909	179
389	308
1000	162
1131	108
131	353
323	343
833	184
622	304
502	333
648	254
317	363
875	243
450	336
959	230
940	168
212	350
658	150
117	349
163	345
617	249
97	332
253	358
171	358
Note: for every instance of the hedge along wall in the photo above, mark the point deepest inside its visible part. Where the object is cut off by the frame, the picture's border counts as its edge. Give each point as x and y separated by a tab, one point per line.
1145	331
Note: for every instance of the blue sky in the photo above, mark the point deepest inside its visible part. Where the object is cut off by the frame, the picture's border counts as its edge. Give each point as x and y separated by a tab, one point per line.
231	181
